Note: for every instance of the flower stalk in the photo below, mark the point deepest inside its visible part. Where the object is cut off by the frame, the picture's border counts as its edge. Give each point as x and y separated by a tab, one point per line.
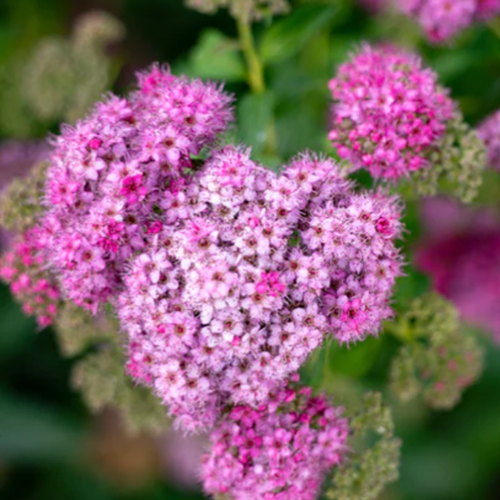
254	65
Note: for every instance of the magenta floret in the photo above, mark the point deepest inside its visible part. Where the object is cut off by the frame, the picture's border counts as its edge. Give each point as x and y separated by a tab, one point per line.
24	268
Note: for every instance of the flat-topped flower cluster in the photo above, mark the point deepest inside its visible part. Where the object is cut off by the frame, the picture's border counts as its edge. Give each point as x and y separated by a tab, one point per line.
225	276
443	19
389	112
222	308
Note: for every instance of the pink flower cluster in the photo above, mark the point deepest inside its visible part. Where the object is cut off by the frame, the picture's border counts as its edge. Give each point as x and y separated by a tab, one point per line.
463	259
278	452
443	19
489	132
23	268
109	173
388	112
248	274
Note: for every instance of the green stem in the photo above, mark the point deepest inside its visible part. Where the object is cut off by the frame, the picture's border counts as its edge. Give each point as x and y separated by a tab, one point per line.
255	71
255	76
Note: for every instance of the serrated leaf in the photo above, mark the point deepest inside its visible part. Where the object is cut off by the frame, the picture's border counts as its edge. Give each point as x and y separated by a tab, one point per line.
286	37
217	57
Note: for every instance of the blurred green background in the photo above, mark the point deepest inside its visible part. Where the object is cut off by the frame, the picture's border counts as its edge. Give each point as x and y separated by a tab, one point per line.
51	448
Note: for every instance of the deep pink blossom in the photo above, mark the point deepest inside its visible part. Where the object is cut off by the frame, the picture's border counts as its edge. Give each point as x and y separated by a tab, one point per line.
388	112
443	19
282	451
24	268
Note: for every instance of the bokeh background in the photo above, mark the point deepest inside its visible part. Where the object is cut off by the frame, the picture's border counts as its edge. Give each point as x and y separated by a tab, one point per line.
51	447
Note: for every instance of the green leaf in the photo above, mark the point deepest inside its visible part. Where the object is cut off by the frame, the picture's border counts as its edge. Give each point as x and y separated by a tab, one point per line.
286	37
18	330
30	432
354	360
255	114
217	57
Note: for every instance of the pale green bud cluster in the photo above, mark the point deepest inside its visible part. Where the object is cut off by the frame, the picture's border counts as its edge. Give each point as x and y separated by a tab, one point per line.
100	376
439	359
244	10
457	163
371	464
20	202
102	381
61	77
77	330
97	29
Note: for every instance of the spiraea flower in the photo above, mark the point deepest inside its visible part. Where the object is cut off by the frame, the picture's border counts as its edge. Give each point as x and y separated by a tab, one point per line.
392	118
281	451
109	175
221	309
388	112
24	268
461	253
489	132
443	19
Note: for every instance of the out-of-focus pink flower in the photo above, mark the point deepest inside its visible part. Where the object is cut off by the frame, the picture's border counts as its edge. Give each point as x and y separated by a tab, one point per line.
443	19
388	112
489	131
24	268
463	259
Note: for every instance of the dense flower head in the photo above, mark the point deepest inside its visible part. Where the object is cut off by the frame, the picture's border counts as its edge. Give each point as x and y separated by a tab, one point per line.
463	260
489	132
24	268
280	451
443	19
388	112
109	173
247	275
